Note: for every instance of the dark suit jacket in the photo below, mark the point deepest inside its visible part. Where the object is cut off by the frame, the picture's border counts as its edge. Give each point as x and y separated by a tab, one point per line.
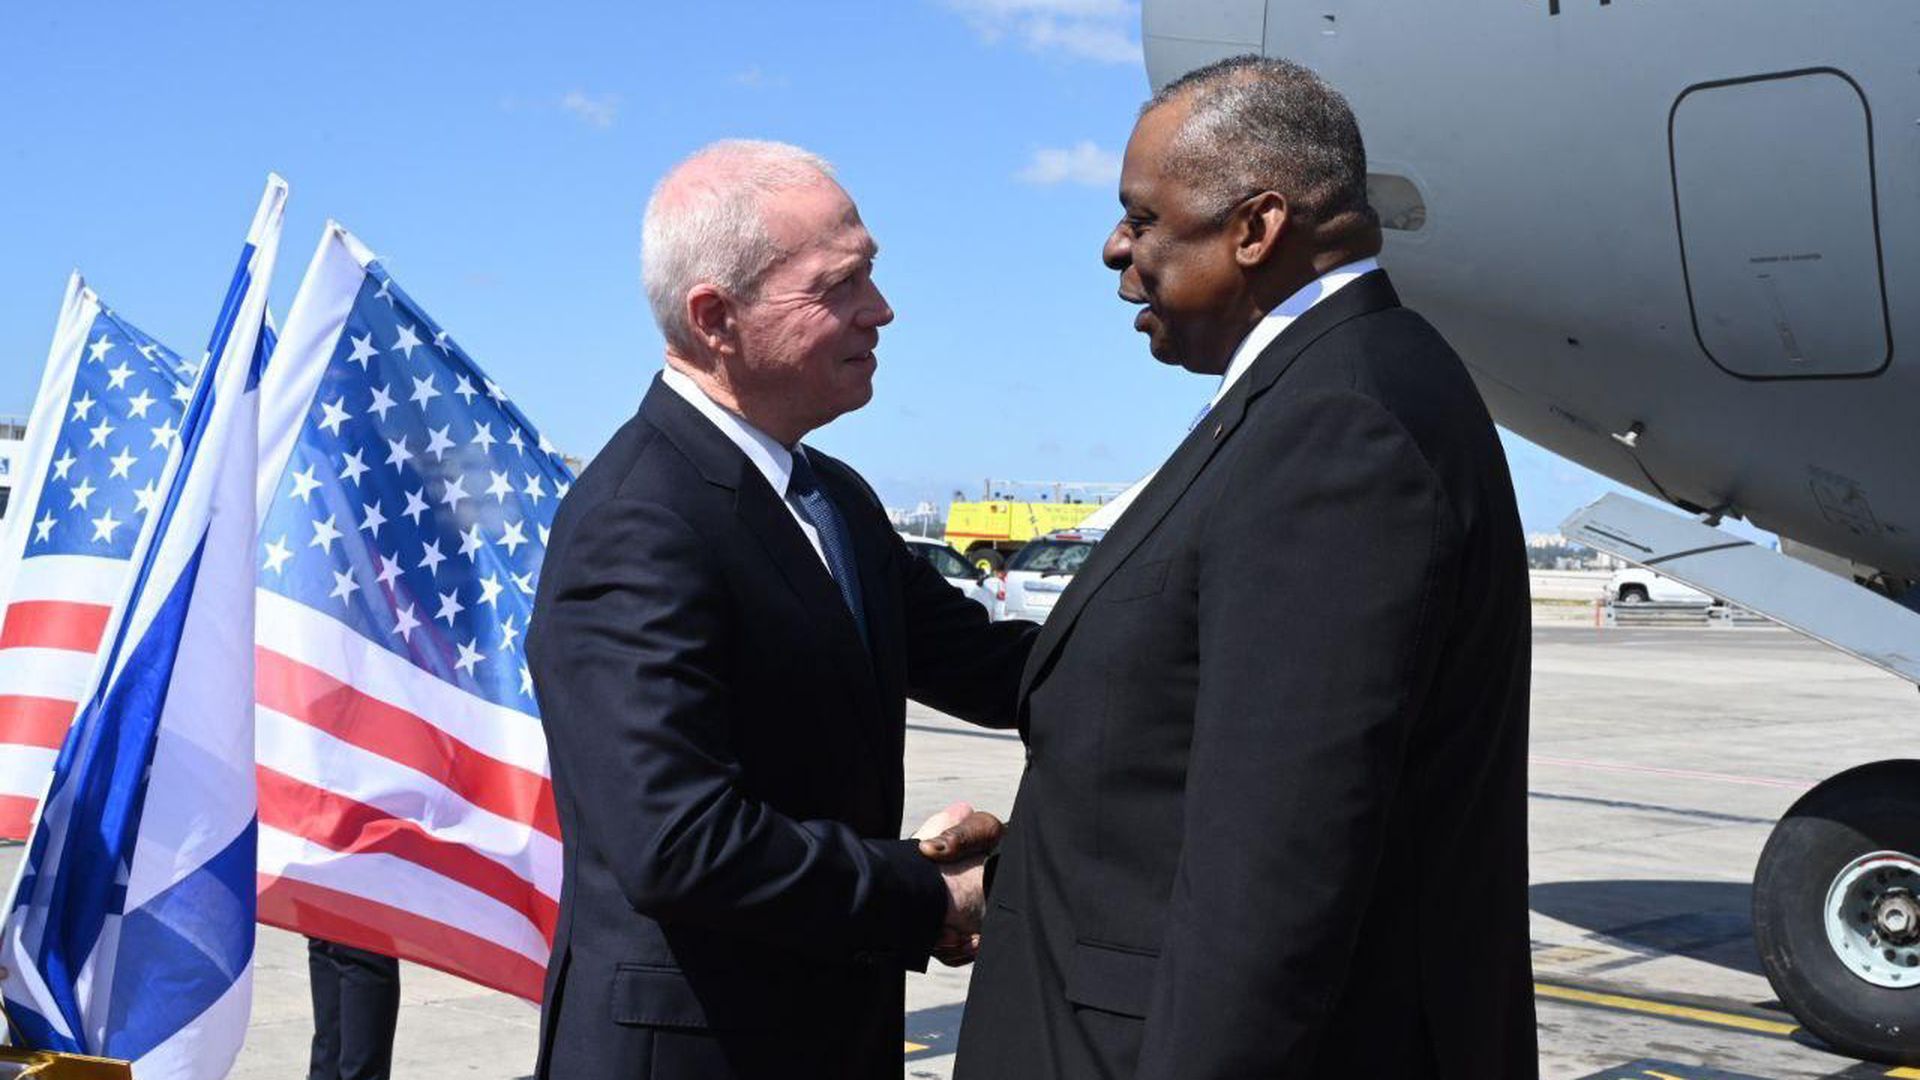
727	763
1273	821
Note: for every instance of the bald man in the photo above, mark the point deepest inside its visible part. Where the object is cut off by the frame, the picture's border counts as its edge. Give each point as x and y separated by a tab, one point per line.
723	643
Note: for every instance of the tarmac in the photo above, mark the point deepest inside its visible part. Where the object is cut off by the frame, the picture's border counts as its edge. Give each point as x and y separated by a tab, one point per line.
1660	759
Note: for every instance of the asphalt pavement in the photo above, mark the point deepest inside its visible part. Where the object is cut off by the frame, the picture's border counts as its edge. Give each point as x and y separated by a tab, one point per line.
1660	759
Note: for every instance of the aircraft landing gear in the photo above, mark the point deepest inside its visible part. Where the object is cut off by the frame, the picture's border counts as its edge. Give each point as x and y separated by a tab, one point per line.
1836	911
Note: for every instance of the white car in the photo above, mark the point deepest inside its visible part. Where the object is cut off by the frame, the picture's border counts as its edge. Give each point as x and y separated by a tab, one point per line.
1637	585
981	588
1039	572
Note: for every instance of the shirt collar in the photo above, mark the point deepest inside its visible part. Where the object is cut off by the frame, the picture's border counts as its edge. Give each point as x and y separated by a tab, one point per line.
774	461
1266	330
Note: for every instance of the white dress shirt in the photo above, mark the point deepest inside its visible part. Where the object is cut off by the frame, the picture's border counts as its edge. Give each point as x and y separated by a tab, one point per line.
774	461
1281	317
1250	348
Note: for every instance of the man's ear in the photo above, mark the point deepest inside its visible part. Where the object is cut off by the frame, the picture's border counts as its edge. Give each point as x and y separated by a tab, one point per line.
1260	223
710	316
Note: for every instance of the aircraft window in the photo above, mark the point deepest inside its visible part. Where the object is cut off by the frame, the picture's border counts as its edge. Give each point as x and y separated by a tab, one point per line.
1397	202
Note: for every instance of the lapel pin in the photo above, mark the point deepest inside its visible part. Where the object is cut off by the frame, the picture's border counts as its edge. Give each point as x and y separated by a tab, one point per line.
1218	428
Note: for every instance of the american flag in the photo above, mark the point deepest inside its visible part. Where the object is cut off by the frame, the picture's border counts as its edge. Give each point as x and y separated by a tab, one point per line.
405	804
103	429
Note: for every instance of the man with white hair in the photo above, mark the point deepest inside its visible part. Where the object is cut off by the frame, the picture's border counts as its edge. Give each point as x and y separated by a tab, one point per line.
725	634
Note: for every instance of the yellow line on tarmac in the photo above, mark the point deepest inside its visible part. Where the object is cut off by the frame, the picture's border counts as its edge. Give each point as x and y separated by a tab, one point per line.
1693	1013
1663	1008
1650	1007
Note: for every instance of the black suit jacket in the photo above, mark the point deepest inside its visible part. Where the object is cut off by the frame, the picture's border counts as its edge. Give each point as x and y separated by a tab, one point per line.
726	760
1273	819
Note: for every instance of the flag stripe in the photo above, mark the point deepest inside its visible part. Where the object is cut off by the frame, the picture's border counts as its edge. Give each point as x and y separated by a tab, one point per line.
39	692
54	673
61	605
313	697
34	721
16	814
24	770
88	579
366	924
54	624
401	884
321	641
314	757
349	827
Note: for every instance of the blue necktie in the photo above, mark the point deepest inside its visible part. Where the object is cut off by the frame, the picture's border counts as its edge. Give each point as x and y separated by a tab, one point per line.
835	542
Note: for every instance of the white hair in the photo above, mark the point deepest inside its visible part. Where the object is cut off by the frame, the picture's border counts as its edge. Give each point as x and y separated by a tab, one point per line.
705	222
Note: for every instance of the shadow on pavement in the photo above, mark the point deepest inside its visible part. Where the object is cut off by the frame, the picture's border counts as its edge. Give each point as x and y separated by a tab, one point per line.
935	1030
1704	920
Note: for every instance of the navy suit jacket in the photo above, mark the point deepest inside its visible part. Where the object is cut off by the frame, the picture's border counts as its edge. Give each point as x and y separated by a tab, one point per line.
726	761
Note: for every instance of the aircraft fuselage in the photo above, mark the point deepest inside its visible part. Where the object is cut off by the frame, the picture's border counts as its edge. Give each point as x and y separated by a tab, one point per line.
1677	241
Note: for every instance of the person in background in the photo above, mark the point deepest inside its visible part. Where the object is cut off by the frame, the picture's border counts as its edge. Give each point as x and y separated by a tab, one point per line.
356	1005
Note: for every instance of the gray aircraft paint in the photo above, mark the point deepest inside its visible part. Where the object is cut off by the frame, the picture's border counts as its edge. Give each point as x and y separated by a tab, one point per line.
1697	219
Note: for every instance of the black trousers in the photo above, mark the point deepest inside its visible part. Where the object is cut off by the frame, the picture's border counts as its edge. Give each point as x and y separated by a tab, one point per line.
356	1001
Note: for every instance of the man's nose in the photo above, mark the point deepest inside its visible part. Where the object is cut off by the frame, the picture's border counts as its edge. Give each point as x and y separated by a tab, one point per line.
1118	251
878	312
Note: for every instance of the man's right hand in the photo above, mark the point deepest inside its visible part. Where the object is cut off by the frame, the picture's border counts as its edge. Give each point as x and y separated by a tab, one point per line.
959	940
960	838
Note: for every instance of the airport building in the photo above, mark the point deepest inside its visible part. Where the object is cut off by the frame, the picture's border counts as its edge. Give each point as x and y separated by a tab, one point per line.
13	434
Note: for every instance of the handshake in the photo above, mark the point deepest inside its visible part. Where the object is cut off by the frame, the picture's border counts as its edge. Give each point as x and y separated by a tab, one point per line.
960	838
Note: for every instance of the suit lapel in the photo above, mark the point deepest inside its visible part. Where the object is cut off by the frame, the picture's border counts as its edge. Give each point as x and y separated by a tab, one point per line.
772	526
1134	526
1369	292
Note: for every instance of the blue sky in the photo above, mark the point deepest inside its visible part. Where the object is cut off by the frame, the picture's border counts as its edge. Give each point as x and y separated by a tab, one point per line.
498	158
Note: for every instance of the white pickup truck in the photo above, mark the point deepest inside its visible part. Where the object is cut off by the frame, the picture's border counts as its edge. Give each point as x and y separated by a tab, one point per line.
1638	585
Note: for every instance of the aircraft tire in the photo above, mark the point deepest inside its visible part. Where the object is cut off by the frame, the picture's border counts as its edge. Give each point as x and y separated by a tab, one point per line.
1831	865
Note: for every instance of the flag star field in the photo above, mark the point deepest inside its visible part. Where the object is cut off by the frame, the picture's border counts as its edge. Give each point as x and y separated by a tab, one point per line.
417	501
119	427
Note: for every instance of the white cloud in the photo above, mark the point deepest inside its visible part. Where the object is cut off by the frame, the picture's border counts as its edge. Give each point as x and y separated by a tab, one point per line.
1091	40
1076	9
596	111
756	78
1100	30
1082	163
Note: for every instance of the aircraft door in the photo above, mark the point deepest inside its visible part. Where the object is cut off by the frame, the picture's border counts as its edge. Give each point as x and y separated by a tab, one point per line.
1783	274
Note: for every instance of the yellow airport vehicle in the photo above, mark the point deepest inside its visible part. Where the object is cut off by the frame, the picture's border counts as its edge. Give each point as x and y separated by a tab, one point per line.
1011	512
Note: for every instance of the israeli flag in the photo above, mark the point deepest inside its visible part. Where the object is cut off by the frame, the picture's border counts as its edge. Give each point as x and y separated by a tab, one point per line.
130	930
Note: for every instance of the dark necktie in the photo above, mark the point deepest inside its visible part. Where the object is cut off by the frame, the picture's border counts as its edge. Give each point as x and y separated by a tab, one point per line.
835	542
